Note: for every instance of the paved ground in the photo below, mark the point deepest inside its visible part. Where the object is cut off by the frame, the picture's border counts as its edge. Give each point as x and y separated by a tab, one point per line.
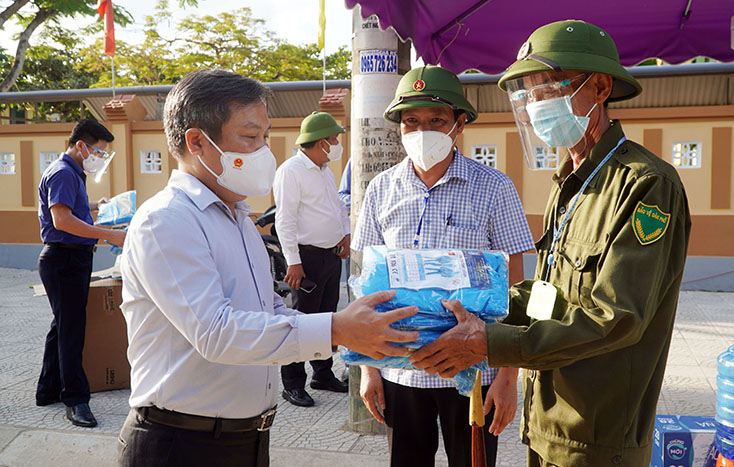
41	436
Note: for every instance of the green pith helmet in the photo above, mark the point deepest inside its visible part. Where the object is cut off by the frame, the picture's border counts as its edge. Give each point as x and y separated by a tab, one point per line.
318	125
429	86
573	46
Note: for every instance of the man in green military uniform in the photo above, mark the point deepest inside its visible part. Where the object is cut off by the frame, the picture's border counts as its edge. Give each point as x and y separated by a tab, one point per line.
594	327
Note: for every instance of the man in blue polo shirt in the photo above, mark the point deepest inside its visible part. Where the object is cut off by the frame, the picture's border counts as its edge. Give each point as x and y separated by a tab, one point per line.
65	265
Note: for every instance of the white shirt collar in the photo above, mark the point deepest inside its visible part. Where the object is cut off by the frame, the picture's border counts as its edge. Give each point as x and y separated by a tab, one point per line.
199	193
306	161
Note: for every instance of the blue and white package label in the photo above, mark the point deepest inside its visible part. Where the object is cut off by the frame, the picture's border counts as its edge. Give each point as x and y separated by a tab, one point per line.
684	441
428	269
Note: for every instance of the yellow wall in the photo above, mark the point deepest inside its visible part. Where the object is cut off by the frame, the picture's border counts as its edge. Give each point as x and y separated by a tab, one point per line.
148	184
131	138
10	194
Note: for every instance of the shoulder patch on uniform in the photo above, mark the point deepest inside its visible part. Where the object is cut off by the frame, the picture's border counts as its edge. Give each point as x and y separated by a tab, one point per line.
649	223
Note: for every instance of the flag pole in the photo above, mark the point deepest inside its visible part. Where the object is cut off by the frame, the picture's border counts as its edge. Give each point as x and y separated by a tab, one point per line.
322	40
113	76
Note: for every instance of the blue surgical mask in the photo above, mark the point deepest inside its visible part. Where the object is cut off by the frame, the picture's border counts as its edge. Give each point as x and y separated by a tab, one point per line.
555	123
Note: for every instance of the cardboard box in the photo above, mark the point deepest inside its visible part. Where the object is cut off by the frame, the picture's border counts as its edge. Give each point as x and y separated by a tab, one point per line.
105	342
684	441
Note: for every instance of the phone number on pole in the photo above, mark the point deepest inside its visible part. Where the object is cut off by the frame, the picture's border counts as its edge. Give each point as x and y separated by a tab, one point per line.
378	61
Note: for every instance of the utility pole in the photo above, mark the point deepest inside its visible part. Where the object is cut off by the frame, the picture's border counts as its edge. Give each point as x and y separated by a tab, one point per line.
379	60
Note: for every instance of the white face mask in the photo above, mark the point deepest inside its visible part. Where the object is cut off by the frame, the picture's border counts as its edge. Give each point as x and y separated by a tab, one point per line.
555	123
247	174
428	148
335	151
92	164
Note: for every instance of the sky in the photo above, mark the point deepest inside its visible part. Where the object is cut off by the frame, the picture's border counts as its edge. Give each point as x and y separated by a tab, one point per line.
293	20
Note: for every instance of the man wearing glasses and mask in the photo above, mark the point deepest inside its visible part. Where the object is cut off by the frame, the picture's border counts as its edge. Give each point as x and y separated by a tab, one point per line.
65	265
594	327
438	198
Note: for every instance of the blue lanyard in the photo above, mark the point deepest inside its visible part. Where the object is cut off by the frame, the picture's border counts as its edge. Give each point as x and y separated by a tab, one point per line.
557	233
417	237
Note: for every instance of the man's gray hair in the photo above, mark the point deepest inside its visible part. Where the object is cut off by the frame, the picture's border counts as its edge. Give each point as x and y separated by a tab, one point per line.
204	99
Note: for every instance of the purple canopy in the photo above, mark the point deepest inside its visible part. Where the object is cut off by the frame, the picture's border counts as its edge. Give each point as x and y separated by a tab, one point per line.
486	35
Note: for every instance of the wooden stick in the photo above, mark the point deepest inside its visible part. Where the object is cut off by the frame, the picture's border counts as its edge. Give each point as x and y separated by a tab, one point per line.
476	420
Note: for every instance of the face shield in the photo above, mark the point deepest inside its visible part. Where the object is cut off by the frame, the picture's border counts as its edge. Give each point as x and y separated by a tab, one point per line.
545	118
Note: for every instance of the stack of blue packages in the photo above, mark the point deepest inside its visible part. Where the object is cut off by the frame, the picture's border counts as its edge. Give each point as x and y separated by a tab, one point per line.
423	278
117	212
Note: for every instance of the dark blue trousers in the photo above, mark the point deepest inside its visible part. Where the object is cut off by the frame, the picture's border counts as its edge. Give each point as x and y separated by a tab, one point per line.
324	268
65	275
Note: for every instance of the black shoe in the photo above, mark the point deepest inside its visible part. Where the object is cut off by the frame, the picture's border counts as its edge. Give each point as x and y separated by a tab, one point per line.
331	384
81	415
298	397
43	400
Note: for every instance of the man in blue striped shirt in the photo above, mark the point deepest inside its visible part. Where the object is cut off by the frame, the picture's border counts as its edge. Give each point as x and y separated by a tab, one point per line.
437	198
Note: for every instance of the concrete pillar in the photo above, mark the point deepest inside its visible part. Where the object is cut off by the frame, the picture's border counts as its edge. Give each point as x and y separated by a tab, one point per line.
379	59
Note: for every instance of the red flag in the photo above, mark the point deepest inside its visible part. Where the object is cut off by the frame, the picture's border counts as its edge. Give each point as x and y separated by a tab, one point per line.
104	8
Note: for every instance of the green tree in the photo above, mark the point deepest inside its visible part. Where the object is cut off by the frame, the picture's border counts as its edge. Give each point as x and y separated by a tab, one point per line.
30	14
55	64
235	41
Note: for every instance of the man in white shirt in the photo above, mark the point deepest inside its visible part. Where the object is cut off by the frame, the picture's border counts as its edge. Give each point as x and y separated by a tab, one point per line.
313	229
206	331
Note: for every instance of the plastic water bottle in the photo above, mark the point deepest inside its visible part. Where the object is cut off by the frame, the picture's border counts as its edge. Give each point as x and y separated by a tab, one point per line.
725	408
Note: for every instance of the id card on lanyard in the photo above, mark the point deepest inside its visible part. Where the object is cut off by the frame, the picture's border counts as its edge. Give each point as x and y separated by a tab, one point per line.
543	294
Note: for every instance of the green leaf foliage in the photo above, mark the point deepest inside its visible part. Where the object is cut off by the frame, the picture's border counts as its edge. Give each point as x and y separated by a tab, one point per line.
235	41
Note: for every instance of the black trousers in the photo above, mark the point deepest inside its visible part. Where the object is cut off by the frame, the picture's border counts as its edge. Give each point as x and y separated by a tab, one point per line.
144	443
65	276
412	432
324	268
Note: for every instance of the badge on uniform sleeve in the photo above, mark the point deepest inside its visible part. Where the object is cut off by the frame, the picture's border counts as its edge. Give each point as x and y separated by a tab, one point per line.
649	223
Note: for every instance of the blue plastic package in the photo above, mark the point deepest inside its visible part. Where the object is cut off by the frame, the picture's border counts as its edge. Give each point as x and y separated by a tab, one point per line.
476	278
118	210
464	379
423	278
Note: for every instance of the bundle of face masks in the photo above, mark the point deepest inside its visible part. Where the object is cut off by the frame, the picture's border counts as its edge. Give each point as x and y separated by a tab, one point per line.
423	278
118	210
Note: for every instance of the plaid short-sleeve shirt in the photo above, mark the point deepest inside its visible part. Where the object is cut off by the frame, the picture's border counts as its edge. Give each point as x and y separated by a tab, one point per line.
471	206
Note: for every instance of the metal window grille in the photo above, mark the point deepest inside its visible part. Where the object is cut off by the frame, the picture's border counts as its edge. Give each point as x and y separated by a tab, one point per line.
546	158
686	154
485	154
7	163
150	162
46	158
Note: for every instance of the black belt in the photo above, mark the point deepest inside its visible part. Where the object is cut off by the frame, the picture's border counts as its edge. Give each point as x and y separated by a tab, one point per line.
334	249
207	424
73	246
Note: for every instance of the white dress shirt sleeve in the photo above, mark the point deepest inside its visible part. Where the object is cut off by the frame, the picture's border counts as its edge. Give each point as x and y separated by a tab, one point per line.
287	194
173	263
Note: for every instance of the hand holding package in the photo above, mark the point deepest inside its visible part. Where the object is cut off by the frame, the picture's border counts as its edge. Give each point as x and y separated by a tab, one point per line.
423	278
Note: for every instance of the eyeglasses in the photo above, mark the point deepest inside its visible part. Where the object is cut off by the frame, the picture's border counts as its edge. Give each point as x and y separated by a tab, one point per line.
99	152
546	91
